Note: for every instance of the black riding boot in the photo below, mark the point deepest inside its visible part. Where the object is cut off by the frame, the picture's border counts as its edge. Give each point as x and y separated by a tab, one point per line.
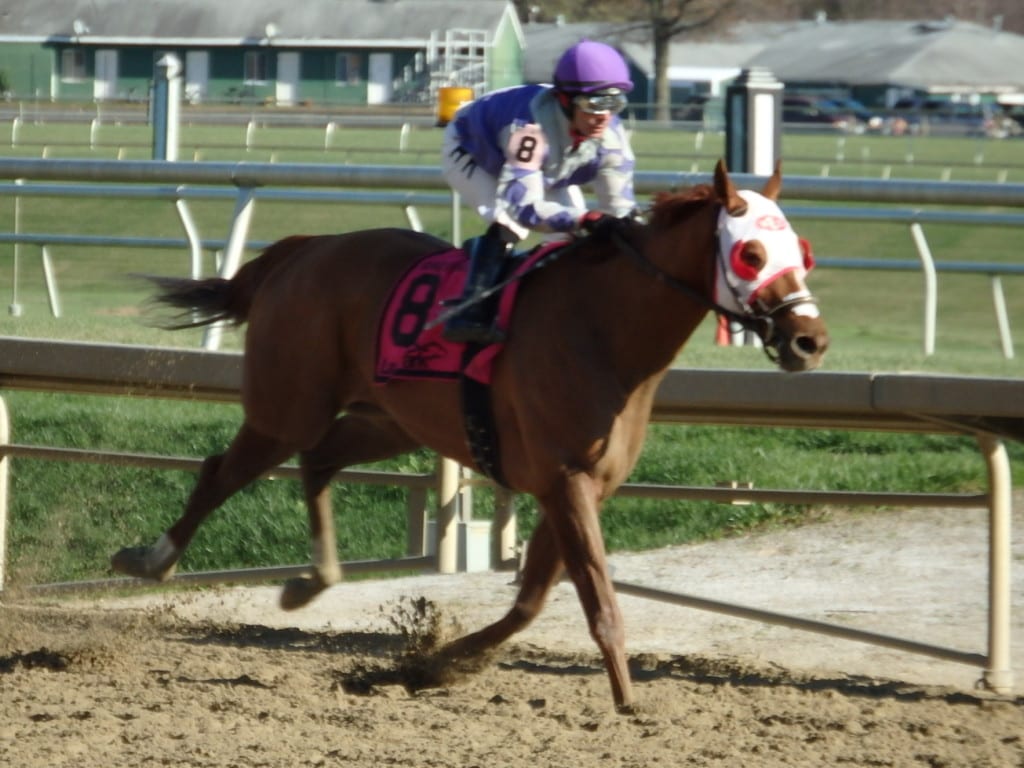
487	255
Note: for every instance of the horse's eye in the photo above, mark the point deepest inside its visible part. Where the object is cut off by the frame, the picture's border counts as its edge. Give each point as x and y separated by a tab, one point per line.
746	261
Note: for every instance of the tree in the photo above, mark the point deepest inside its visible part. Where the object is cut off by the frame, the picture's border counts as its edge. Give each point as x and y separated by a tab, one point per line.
667	19
661	20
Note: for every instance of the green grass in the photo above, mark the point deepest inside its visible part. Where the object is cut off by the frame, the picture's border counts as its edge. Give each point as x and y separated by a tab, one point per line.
66	519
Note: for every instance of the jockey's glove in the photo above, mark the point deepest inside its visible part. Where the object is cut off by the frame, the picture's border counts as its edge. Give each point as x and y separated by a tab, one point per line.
593	222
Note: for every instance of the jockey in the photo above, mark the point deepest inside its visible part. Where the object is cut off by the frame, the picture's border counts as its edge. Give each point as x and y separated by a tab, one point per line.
516	155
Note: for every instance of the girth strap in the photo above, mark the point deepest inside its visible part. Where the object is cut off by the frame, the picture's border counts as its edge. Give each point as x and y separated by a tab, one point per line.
478	420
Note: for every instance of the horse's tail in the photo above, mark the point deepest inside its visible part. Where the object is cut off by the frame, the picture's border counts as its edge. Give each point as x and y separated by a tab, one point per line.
215	299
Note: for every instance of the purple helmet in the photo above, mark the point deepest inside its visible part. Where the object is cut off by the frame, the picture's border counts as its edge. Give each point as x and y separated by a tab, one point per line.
589	67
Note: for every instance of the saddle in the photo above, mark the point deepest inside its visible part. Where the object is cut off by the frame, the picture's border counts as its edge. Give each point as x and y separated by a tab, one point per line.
410	345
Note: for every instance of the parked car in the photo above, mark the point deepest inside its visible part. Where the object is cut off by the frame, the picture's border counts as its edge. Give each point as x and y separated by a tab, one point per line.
807	110
1016	114
702	108
872	120
943	116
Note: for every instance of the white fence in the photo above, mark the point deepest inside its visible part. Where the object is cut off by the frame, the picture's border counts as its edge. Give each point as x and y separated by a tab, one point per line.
413	186
128	132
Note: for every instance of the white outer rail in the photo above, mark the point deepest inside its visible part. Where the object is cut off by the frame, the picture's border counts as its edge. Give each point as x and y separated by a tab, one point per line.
990	409
248	181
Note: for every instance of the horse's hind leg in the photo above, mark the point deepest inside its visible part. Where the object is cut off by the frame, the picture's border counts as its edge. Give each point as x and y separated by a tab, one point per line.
352	439
543	567
250	455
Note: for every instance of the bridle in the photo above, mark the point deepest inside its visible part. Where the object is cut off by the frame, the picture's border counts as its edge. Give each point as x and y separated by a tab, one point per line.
754	317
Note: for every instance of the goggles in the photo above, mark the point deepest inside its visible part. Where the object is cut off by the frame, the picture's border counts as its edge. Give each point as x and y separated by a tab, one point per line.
605	103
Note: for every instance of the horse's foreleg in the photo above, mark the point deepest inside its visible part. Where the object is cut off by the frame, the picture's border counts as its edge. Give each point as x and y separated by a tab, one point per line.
249	456
572	511
543	567
352	439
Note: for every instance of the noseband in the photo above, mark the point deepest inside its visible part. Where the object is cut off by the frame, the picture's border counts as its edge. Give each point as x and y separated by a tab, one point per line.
760	319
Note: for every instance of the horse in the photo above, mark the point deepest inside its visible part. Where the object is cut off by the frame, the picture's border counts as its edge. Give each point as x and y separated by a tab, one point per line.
592	335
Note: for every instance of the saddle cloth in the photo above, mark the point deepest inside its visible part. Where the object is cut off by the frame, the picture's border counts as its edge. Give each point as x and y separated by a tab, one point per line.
406	349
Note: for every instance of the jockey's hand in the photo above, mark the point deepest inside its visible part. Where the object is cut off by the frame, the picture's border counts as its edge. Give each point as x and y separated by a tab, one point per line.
592	222
636	216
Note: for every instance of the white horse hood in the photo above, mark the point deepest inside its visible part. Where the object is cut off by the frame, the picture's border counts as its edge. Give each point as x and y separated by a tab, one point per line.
737	283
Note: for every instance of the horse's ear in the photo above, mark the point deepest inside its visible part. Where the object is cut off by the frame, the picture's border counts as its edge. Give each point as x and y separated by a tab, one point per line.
773	186
726	191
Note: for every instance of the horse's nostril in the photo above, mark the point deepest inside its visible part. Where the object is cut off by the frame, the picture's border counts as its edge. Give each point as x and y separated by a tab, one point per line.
805	345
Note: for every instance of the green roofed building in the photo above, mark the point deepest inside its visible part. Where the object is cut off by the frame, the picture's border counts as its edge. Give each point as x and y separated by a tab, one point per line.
282	52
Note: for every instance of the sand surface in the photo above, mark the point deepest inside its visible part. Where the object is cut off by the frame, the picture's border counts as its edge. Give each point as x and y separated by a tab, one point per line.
222	677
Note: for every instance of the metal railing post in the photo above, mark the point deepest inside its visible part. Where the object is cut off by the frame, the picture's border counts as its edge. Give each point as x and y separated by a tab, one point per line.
930	286
448	473
244	204
1002	321
5	439
999	673
195	243
15	308
50	277
413	217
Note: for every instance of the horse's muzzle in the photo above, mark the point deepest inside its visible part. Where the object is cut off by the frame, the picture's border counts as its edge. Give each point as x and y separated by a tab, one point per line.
801	350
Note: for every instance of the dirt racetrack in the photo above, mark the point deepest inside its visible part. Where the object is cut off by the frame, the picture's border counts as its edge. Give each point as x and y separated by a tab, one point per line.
223	678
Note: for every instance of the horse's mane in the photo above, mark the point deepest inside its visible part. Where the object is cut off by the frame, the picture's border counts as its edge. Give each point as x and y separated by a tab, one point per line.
669	207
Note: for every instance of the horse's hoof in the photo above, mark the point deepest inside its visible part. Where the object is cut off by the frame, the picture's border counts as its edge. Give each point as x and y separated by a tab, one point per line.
138	562
300	591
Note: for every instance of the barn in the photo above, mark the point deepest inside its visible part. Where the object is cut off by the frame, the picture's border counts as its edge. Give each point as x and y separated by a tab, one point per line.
325	52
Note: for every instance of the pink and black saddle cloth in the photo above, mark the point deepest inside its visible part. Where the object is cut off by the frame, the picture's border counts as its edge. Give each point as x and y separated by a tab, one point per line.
408	349
410	344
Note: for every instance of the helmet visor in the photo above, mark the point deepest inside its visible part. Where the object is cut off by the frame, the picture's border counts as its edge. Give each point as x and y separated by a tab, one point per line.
609	102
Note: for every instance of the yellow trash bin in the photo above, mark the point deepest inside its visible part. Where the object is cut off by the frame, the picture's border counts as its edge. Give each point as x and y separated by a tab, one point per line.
449	99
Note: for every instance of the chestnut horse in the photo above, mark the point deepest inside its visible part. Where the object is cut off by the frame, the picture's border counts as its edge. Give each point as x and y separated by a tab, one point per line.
592	335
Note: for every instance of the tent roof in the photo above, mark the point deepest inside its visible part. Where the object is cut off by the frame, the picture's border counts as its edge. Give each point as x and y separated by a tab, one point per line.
947	55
